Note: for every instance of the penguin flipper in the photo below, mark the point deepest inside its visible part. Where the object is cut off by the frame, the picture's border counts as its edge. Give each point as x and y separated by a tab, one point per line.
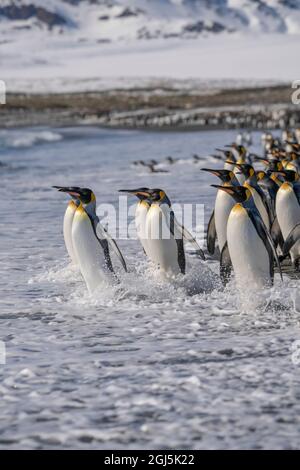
292	238
276	233
190	239
211	234
296	188
265	235
176	227
225	265
103	234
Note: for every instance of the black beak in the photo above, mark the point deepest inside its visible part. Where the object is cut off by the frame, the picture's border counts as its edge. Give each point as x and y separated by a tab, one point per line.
135	192
230	146
231	190
214	172
74	191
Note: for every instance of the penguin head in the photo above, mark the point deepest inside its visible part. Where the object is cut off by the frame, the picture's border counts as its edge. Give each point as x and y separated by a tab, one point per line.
246	169
159	196
274	165
260	175
240	149
84	195
294	145
294	156
239	193
140	193
229	157
71	190
287	175
225	176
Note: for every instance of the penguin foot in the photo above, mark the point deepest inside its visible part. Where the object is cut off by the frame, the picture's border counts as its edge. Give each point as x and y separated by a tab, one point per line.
297	265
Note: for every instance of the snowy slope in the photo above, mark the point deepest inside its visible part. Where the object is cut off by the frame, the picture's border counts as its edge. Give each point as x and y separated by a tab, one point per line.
80	44
110	20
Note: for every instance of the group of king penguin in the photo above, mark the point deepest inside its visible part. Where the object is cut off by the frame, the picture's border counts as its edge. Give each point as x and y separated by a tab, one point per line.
90	246
256	217
255	221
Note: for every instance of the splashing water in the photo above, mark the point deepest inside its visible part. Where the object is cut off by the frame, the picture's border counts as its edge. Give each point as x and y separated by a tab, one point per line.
144	363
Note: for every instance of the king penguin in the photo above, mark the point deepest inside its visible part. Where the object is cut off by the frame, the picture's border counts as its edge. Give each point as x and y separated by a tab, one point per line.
230	159
258	195
68	220
91	242
288	215
217	226
164	234
141	212
251	251
241	158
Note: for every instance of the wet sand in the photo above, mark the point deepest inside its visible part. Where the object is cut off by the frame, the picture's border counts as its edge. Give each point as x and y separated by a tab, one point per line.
152	108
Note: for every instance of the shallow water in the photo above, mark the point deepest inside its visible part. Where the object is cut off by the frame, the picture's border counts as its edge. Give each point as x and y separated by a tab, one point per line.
143	364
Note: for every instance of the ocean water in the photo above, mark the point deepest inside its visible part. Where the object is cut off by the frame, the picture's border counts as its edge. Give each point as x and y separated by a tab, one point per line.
145	363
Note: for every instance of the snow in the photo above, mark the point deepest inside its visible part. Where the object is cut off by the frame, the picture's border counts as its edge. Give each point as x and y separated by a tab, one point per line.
90	54
239	59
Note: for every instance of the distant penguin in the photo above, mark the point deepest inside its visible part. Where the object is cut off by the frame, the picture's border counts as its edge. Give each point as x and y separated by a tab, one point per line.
257	193
229	157
217	226
241	159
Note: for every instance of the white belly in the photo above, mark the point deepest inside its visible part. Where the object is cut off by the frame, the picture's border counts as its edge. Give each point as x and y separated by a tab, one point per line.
88	251
288	214
162	246
239	176
248	253
67	228
223	205
229	166
259	205
140	224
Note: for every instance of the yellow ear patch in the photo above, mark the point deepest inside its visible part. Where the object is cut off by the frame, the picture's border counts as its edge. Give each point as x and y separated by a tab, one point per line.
144	203
80	211
72	205
286	186
260	175
248	194
238	209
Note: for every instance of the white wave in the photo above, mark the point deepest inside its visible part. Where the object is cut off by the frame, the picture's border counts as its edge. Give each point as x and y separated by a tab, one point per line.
25	139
